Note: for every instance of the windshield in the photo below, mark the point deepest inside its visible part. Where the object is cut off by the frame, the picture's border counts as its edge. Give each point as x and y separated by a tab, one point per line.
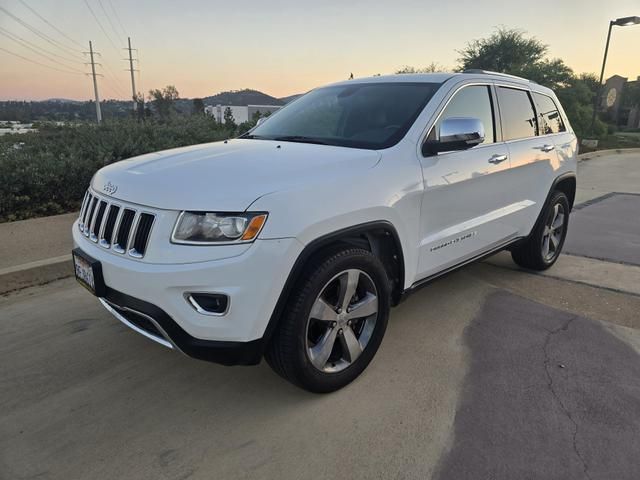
365	115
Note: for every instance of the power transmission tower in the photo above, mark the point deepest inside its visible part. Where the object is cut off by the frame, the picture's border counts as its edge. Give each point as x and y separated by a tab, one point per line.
134	94
95	81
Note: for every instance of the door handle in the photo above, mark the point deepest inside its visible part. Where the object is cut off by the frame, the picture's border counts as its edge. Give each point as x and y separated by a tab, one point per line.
496	159
547	148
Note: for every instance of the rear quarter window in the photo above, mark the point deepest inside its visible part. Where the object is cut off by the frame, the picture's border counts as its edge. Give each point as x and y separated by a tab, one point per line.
549	117
518	116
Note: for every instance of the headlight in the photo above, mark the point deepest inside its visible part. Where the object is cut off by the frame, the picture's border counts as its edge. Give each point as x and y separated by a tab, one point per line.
208	228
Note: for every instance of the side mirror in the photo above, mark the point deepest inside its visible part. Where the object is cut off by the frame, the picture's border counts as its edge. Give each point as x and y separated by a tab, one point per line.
456	133
261	120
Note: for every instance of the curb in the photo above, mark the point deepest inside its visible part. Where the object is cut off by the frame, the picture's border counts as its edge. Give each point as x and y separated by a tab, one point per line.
35	273
598	153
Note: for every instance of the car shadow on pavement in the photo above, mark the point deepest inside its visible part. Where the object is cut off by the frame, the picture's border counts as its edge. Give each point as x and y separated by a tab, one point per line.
548	395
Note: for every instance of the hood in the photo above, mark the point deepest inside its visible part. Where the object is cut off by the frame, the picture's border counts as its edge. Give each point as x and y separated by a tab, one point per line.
226	176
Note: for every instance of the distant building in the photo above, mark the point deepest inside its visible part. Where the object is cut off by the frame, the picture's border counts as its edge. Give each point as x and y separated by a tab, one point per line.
240	113
613	102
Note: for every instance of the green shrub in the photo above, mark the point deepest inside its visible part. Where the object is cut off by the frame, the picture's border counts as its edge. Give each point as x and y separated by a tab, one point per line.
47	172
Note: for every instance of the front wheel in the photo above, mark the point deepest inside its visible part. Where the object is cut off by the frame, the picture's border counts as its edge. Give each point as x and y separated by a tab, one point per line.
334	322
542	248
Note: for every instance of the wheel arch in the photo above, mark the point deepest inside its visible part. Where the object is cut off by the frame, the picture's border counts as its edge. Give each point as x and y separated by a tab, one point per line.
379	237
566	184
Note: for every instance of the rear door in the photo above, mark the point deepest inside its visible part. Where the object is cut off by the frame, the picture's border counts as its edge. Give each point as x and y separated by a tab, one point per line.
465	194
532	152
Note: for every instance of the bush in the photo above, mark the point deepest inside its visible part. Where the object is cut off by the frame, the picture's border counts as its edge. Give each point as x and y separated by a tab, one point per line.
47	172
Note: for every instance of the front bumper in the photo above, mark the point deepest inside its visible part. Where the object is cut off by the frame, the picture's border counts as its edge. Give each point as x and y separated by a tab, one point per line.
150	321
253	280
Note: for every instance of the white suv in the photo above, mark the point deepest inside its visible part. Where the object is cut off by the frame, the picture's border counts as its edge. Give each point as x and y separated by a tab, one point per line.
293	241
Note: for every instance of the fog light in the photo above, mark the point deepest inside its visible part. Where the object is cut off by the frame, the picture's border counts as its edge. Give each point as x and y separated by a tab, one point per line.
209	303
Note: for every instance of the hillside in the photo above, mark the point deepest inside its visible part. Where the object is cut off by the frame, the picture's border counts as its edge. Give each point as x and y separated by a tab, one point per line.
242	97
65	110
290	98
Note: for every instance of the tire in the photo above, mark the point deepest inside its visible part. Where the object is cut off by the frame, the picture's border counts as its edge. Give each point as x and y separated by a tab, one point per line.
543	246
313	320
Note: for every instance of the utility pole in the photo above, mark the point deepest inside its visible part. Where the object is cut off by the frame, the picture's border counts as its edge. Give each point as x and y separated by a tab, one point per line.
134	94
95	82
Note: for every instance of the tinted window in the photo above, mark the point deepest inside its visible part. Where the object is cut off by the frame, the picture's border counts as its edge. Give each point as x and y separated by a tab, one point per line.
518	118
360	115
549	117
474	101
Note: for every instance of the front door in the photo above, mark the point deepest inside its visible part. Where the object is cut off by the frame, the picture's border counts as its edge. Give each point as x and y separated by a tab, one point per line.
467	202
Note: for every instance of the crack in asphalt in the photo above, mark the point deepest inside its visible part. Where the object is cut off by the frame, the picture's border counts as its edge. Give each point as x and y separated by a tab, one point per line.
555	395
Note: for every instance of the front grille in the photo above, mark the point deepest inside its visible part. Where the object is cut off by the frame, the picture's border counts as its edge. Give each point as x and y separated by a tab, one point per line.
125	230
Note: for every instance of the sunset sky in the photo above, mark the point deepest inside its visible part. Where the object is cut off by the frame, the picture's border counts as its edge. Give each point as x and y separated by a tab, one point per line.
282	47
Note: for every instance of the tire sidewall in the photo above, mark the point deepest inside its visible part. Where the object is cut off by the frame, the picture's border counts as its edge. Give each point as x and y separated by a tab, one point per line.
307	373
556	198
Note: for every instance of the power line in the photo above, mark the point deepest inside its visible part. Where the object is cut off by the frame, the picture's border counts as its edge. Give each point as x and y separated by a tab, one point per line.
115	13
110	22
100	25
39	63
50	24
39	53
18	38
44	36
116	82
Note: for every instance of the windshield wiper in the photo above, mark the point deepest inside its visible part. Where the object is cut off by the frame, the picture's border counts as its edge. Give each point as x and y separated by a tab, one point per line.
299	139
251	136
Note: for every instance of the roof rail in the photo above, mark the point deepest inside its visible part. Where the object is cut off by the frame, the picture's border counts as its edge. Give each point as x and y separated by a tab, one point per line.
489	72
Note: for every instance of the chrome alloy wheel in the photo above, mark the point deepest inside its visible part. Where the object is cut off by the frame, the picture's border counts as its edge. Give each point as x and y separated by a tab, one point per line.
341	321
553	231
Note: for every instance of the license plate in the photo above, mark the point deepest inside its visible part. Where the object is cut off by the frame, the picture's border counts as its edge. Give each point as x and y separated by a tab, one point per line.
88	272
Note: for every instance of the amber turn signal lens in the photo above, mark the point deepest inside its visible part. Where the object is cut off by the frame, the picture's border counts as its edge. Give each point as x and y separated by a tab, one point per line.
254	227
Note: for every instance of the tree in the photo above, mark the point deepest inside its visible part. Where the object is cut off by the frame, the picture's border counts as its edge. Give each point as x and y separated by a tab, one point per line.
505	50
511	51
139	112
229	121
198	106
433	67
577	99
631	95
164	100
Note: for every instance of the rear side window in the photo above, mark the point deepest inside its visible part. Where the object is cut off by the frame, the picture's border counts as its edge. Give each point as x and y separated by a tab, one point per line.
473	101
516	110
549	116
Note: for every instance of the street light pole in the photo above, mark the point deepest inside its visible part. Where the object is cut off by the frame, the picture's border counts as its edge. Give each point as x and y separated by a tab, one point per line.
621	22
596	100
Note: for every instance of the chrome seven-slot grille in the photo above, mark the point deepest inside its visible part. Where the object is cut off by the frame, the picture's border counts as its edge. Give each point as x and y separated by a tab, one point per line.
110	224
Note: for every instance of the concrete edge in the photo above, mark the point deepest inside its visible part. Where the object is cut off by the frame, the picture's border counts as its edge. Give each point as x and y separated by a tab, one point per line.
599	153
35	273
606	275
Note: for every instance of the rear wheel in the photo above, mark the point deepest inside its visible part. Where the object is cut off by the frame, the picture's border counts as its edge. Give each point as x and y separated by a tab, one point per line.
542	248
334	322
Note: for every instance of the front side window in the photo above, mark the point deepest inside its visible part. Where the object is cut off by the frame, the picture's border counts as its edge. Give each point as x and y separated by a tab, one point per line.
473	101
358	115
549	116
516	111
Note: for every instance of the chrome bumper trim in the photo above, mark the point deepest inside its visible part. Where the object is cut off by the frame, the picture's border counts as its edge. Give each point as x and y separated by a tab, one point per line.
162	341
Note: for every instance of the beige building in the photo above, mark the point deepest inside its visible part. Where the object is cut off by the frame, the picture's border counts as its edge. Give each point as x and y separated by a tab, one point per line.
240	114
620	110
